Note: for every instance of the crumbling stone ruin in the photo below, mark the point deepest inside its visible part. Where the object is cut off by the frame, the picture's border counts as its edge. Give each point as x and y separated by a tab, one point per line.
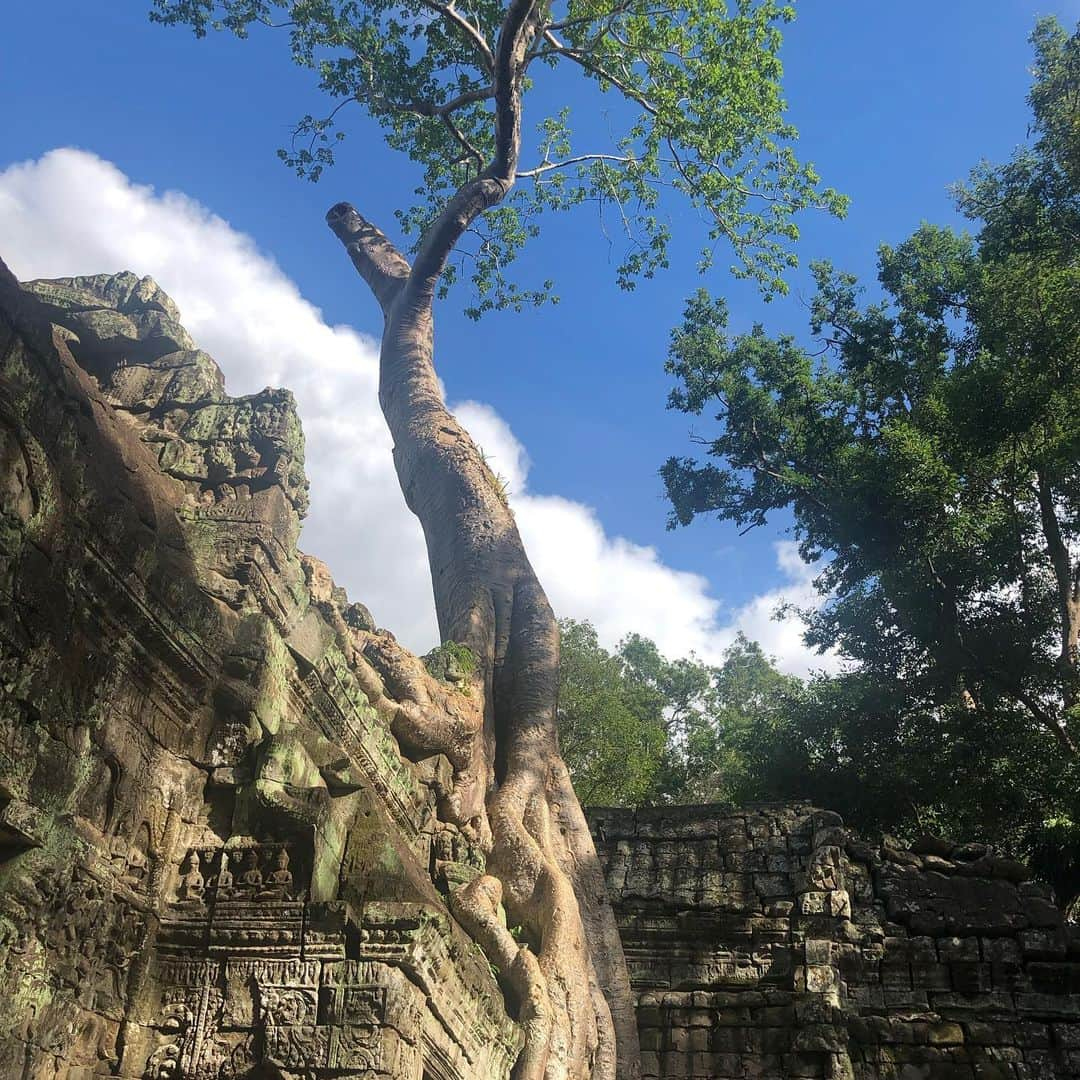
769	942
216	861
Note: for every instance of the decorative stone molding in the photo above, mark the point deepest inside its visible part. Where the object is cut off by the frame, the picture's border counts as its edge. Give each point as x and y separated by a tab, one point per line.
213	857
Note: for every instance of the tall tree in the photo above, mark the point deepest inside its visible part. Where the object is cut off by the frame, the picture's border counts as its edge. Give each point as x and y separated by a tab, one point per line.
699	88
614	737
723	737
638	729
929	451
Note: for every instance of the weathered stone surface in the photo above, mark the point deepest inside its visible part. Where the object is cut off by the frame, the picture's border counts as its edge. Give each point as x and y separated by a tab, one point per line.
215	860
213	857
844	960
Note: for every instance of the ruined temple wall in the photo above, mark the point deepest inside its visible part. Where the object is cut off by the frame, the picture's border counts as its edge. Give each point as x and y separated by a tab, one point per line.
216	862
214	857
769	942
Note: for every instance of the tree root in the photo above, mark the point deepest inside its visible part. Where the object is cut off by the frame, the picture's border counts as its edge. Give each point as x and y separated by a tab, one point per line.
511	788
476	907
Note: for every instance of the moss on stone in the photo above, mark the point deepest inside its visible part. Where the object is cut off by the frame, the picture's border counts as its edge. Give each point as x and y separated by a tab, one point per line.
452	663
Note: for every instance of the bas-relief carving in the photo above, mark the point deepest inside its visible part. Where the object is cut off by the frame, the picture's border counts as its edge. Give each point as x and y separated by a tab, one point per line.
300	1016
457	856
180	767
27	488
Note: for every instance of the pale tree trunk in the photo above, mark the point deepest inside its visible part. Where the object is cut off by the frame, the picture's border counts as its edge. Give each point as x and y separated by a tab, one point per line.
1049	717
1067	578
512	789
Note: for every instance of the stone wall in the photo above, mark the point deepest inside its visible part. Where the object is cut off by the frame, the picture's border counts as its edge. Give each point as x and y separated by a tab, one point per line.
769	942
214	860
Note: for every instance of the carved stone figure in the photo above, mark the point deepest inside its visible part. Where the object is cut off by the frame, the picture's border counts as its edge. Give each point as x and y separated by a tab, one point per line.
223	881
279	881
192	885
136	860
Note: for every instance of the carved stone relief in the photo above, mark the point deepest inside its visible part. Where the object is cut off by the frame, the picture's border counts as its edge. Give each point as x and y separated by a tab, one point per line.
184	748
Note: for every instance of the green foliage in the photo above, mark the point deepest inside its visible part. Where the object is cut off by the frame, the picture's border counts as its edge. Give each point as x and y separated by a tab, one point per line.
637	728
721	751
928	450
698	109
499	483
452	662
862	744
613	737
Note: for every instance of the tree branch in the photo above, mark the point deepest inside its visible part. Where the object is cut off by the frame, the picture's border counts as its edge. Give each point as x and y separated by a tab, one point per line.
1068	608
582	60
492	185
950	614
515	38
428	108
376	259
453	16
441	112
547	166
459	136
1041	715
711	166
619	9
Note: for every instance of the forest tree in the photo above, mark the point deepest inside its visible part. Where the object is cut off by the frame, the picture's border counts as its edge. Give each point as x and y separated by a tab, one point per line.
698	86
927	448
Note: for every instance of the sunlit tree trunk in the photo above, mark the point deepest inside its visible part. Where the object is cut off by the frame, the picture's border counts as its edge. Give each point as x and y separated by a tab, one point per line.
511	786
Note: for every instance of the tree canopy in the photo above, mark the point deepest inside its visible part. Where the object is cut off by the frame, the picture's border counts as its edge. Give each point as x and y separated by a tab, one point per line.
692	92
638	729
613	734
928	450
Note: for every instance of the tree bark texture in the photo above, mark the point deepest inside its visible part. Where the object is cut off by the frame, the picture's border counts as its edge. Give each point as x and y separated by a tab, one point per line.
511	789
1067	578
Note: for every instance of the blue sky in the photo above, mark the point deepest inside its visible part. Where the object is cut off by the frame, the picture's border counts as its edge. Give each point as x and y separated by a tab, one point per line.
893	102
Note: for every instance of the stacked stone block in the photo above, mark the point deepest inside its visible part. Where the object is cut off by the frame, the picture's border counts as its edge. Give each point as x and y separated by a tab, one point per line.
769	942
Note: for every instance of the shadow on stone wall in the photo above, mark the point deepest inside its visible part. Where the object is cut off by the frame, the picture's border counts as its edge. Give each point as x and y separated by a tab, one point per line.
770	942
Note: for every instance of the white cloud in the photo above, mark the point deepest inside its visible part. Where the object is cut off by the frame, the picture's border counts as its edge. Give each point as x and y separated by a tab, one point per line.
622	587
782	637
72	213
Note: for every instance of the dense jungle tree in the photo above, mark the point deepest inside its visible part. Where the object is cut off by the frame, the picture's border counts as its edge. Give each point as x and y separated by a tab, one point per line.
896	760
929	451
613	736
638	729
723	743
697	85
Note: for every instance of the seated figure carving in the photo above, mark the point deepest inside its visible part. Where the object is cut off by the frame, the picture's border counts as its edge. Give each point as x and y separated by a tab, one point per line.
279	881
223	881
192	884
135	869
251	879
